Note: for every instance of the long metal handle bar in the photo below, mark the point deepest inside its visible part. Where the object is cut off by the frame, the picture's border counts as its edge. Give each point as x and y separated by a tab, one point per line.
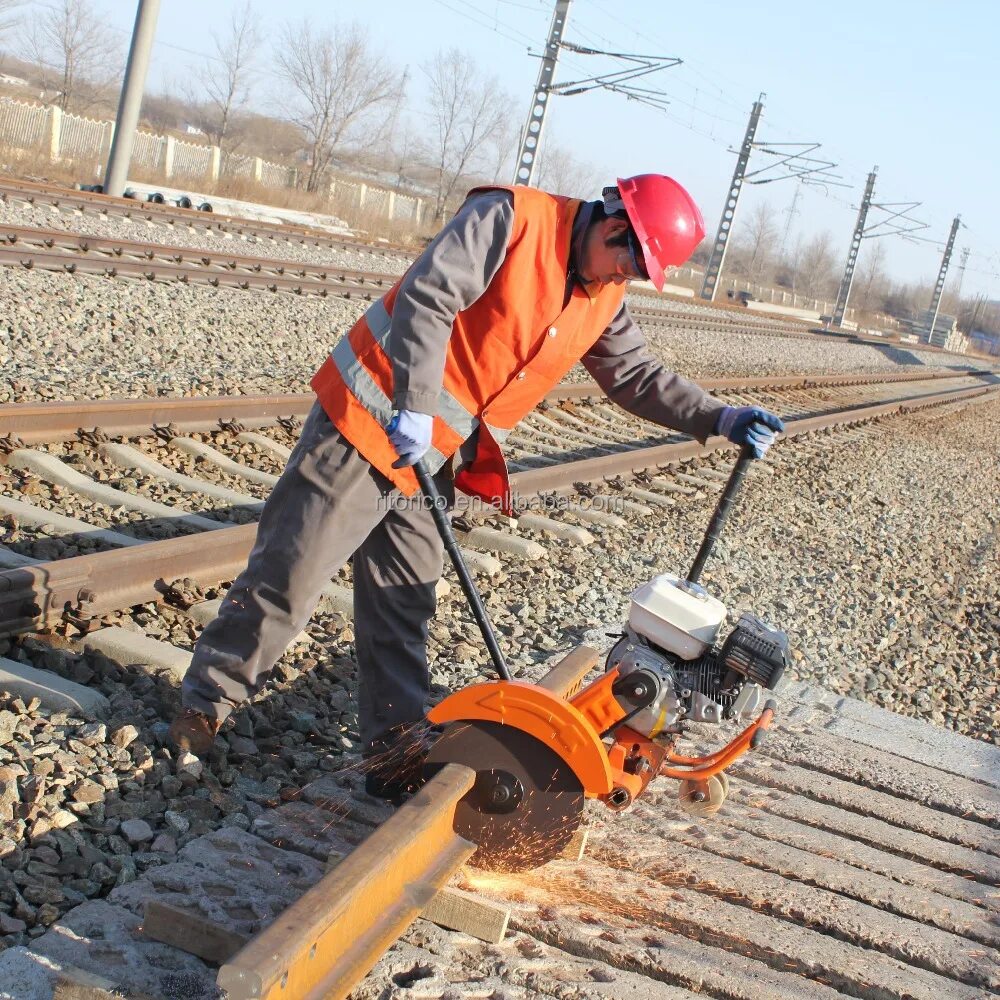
718	521
443	523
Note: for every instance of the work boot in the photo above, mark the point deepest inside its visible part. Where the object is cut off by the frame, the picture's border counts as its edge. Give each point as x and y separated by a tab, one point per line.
394	761
194	731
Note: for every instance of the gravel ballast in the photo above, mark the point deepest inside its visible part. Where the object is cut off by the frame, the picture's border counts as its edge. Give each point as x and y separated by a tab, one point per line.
876	549
881	565
65	337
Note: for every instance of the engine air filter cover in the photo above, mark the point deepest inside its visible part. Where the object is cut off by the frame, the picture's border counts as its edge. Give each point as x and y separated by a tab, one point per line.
757	651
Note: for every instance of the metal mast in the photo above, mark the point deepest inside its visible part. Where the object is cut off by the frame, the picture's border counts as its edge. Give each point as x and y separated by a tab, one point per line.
792	212
942	274
131	97
714	268
532	136
852	254
963	260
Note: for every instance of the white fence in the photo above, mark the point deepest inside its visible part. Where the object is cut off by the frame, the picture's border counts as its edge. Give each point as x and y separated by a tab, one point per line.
69	137
192	160
380	201
61	136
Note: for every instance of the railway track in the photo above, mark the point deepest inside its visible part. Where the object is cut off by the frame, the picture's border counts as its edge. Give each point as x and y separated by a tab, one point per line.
841	868
69	252
857	857
89	204
185	506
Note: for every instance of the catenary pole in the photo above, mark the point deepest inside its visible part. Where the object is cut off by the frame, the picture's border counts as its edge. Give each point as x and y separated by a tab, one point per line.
714	268
844	293
131	97
932	312
527	157
962	261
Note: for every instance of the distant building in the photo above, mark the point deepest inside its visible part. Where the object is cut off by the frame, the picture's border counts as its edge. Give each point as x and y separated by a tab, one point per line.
12	81
987	343
190	129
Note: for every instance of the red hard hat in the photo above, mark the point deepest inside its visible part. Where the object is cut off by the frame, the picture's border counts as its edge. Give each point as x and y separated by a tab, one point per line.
665	219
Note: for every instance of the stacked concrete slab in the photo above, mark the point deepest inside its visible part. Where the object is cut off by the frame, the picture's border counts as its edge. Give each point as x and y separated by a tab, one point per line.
858	855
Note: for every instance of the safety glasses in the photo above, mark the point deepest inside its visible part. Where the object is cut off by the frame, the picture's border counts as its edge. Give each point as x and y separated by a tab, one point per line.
635	257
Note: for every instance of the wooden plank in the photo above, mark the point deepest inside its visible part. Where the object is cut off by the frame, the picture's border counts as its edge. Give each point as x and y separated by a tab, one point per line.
575	849
462	911
73	983
566	677
191	932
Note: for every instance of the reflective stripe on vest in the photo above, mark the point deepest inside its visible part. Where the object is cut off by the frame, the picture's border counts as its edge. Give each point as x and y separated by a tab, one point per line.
370	394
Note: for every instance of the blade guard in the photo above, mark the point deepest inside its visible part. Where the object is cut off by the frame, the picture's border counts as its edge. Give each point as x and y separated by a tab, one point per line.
542	714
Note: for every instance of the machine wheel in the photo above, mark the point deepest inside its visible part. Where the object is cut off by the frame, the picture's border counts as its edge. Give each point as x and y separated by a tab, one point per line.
714	790
526	803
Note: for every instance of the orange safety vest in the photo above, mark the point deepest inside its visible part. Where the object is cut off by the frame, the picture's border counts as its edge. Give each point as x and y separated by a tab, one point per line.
507	350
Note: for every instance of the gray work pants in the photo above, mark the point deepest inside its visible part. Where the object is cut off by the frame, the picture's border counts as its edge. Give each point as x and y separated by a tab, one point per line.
328	504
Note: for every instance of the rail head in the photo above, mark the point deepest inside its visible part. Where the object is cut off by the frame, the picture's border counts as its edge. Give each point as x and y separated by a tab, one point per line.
328	940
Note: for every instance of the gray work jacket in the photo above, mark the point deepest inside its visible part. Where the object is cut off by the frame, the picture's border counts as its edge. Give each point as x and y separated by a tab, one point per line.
457	267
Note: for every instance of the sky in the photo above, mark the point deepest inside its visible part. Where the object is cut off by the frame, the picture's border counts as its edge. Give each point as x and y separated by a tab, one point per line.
911	87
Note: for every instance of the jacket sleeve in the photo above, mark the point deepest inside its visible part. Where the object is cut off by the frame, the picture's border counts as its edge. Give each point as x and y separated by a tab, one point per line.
454	271
624	367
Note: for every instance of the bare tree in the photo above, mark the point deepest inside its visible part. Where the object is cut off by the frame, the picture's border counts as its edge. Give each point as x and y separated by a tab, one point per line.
814	266
502	146
465	109
76	56
760	231
337	89
226	77
404	145
872	276
560	172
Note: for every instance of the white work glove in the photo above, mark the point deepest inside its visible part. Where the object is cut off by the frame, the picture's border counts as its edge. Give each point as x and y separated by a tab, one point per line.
410	435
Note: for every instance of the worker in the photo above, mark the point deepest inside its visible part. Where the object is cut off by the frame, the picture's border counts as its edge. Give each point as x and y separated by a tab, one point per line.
511	293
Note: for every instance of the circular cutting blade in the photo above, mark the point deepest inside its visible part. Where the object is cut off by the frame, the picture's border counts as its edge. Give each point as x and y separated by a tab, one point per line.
526	803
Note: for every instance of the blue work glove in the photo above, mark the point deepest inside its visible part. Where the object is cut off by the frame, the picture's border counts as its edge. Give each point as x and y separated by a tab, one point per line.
749	425
410	435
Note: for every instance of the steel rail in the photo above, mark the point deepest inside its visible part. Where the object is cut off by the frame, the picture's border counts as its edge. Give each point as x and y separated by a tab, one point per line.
589	470
325	943
328	940
53	194
153	270
590	390
84	243
49	422
87	586
729	318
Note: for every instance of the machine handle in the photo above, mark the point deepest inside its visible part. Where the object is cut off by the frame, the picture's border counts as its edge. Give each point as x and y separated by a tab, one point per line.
443	522
718	521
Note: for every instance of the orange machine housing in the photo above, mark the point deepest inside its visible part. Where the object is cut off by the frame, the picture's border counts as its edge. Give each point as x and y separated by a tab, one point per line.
588	731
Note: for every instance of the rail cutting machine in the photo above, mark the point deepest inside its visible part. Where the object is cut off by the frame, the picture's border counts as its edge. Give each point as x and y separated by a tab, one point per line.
539	756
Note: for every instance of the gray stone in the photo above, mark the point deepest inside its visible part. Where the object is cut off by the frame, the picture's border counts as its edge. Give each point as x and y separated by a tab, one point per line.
164	844
136	831
122	737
